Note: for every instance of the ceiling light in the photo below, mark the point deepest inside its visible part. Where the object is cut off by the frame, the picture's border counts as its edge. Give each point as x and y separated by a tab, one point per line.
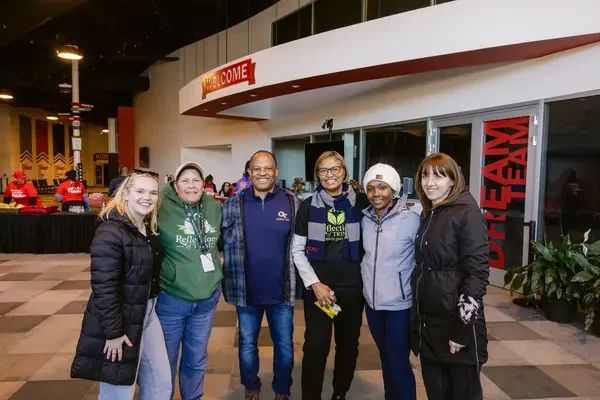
224	103
295	86
205	109
52	118
6	95
252	95
69	52
105	131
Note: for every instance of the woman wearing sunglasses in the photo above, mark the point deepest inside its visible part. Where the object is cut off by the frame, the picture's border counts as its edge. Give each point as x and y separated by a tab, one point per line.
388	231
121	339
327	254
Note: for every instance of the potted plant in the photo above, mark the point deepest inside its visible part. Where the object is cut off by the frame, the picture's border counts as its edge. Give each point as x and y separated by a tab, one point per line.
589	279
550	278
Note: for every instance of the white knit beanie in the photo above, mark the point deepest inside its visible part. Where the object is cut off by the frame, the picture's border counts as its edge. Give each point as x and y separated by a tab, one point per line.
386	174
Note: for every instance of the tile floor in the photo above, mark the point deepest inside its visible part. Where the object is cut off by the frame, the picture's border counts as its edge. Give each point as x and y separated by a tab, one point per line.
42	298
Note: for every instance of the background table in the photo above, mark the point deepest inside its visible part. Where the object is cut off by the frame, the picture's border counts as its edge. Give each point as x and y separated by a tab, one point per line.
47	234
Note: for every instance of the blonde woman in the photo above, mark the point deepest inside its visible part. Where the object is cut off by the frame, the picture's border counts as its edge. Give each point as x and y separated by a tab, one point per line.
121	340
327	252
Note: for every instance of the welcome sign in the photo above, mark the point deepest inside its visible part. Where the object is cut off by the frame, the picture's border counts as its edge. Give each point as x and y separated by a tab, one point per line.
234	74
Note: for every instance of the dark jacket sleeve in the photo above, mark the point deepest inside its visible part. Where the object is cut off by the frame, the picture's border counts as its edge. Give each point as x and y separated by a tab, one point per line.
111	187
473	251
107	271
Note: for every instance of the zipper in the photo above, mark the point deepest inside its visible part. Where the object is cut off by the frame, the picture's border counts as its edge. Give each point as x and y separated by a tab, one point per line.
476	350
418	281
402	285
375	261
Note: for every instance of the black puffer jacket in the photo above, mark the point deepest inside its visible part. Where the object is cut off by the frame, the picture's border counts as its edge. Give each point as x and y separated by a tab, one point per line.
449	283
121	270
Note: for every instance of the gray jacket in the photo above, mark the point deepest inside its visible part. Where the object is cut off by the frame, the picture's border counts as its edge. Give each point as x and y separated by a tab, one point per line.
389	259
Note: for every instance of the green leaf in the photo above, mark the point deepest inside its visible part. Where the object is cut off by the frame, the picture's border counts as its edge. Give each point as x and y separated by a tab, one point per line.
581	260
550	276
517	283
589	300
583	276
543	251
589	320
341	218
550	290
536	277
331	218
559	292
508	276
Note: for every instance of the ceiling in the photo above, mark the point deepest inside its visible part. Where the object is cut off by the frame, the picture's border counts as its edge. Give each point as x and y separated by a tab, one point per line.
119	39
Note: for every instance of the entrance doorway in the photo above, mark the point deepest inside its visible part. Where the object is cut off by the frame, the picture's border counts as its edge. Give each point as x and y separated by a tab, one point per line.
499	155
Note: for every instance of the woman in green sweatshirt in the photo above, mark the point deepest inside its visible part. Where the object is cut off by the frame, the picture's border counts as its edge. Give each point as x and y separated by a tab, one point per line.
189	227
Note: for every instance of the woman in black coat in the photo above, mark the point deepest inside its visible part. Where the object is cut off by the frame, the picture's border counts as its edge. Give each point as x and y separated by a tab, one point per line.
121	340
448	323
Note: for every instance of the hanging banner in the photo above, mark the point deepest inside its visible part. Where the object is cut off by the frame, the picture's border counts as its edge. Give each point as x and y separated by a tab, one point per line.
58	146
242	71
504	173
71	157
25	145
41	150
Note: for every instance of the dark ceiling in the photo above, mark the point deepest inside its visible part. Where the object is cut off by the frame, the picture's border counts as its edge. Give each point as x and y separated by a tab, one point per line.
119	40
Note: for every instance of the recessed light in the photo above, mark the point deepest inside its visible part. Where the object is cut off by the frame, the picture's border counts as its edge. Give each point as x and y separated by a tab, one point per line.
295	86
105	130
224	103
205	109
252	95
52	118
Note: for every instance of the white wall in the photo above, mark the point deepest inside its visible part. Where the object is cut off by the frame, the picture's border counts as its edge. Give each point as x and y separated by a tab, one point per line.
214	161
159	126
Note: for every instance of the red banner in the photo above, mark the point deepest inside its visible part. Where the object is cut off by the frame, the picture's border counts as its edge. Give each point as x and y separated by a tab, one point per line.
504	176
242	71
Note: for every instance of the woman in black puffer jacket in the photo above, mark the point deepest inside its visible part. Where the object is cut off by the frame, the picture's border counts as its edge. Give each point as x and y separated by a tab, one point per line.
448	323
121	339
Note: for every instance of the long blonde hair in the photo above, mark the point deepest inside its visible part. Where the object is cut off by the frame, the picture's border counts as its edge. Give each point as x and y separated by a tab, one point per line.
118	203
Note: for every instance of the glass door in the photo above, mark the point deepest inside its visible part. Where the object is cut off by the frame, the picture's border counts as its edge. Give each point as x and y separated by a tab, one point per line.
498	154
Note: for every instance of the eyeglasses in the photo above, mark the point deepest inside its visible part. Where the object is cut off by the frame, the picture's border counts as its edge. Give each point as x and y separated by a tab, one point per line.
334	171
143	172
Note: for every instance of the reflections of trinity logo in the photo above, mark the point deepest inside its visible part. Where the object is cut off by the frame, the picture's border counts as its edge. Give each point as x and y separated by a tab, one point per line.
188	229
336	228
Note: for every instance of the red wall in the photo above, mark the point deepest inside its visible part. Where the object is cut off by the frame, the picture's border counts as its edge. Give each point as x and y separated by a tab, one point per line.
126	137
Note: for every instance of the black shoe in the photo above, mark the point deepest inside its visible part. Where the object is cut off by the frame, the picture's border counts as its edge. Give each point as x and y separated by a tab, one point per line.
338	397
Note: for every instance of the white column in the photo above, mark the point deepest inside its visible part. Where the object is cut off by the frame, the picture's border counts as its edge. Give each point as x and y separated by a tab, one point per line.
112	135
76	117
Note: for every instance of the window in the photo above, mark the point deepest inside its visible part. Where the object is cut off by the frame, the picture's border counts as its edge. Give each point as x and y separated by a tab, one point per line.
401	146
294	26
456	142
383	8
572	186
334	14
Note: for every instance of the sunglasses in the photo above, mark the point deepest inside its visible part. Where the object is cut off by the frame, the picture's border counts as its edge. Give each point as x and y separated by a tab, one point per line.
143	172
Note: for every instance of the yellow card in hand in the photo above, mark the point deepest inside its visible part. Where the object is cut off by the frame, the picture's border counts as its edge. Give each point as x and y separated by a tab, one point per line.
332	311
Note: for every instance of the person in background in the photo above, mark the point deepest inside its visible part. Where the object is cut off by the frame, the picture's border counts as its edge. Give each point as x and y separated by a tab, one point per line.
245	181
121	339
72	194
388	231
114	184
189	222
226	190
209	184
21	191
260	277
327	252
450	280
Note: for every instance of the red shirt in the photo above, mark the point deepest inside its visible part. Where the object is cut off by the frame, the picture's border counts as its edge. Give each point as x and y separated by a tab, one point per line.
71	190
20	193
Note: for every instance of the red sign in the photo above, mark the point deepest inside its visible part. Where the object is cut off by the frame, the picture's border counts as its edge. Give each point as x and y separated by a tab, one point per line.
100	157
504	177
242	71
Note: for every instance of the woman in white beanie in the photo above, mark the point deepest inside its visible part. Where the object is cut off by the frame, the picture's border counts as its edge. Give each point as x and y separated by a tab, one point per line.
388	233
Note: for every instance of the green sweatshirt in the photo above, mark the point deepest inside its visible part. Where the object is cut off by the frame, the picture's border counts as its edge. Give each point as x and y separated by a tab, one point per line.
182	275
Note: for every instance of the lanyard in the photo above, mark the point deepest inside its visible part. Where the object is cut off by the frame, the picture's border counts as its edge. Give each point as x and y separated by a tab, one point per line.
199	230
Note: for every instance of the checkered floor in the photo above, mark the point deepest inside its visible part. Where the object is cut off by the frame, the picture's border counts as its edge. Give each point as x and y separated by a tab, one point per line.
42	298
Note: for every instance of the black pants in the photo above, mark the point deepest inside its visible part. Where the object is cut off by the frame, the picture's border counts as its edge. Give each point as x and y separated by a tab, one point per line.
317	340
451	381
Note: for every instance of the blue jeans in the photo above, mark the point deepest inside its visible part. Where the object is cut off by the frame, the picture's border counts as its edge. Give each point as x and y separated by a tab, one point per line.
281	326
391	331
187	325
153	369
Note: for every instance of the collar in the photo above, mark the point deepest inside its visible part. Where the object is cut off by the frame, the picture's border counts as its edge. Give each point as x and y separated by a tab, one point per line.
250	193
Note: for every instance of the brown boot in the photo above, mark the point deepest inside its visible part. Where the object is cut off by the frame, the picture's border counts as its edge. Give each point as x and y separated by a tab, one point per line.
282	397
252	395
